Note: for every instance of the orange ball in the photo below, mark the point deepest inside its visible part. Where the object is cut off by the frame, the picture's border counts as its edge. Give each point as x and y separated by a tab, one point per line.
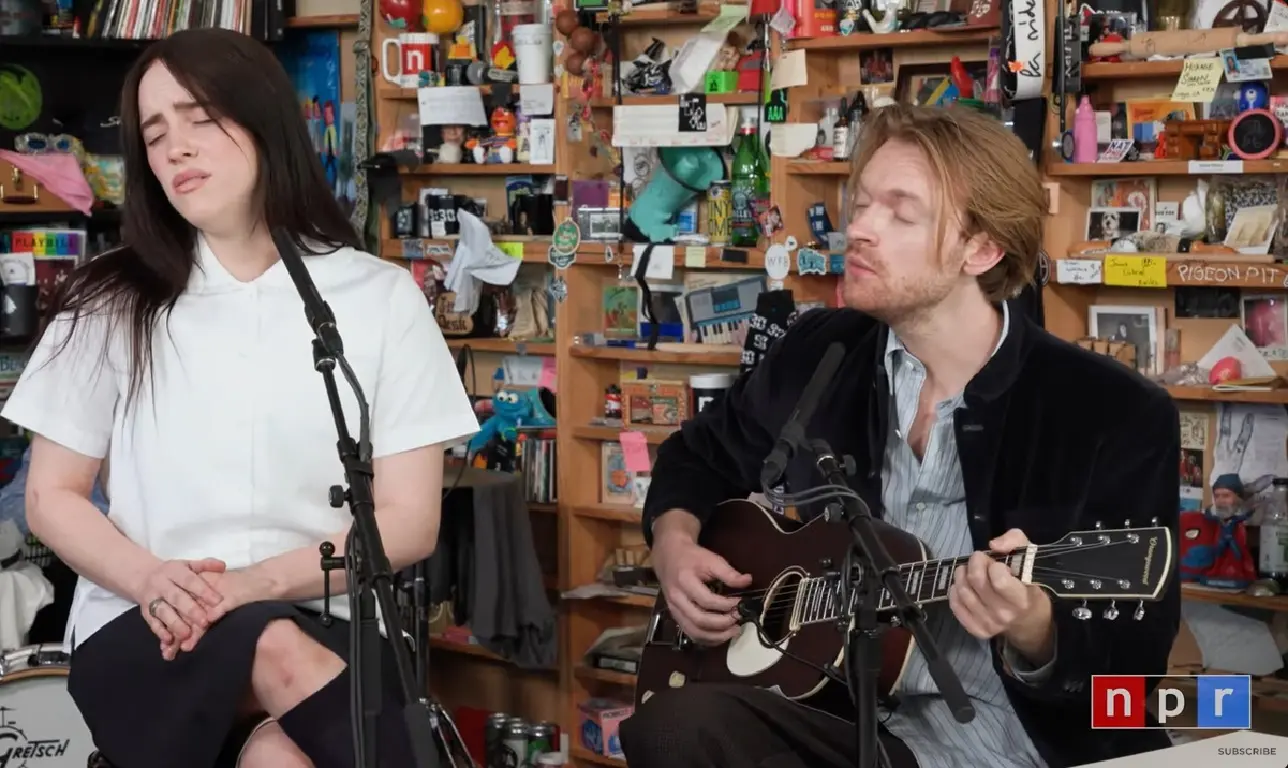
443	17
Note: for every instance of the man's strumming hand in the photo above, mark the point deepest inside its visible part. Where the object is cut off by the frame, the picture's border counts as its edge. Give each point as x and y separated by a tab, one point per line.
990	601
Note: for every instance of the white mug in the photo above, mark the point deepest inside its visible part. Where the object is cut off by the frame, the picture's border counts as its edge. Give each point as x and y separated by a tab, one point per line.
413	53
532	49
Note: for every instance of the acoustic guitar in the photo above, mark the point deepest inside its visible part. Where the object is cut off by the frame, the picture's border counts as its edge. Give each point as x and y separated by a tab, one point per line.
800	621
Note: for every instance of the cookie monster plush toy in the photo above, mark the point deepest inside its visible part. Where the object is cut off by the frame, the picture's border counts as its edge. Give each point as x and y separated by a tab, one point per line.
512	409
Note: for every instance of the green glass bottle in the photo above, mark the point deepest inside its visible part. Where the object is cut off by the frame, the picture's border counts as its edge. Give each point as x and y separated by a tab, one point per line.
749	187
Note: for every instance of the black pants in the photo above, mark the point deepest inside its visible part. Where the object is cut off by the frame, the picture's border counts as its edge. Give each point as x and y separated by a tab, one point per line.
705	725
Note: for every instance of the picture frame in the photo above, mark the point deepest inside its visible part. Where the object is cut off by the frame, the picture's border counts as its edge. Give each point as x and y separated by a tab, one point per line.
919	84
1264	317
1135	324
1111	224
599	224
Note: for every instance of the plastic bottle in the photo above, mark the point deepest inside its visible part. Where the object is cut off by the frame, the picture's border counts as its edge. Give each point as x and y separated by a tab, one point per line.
1086	147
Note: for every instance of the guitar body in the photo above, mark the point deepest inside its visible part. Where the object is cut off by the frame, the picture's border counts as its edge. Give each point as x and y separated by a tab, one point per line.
777	552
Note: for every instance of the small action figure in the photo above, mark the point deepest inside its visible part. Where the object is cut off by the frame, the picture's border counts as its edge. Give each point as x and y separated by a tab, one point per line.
1214	543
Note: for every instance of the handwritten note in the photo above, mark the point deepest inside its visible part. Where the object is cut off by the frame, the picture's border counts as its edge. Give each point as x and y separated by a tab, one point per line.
695	257
513	250
1199	79
1078	271
635	451
1136	271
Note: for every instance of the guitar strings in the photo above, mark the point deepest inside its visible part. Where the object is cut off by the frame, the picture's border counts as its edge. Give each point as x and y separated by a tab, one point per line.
784	599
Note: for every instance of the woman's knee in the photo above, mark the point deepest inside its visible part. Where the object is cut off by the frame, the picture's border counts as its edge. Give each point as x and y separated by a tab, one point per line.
270	747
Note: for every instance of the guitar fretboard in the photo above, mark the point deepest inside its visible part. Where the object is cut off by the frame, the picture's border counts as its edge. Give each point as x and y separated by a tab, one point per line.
819	598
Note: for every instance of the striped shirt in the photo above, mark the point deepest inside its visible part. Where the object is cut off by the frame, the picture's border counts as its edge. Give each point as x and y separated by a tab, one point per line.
927	498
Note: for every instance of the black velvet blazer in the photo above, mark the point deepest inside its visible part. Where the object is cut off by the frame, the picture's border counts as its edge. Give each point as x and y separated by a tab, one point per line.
1052	439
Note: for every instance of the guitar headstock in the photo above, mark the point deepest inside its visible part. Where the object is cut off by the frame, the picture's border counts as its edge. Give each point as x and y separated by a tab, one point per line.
1105	564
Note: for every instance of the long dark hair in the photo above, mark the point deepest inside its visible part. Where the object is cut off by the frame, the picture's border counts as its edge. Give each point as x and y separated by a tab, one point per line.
236	79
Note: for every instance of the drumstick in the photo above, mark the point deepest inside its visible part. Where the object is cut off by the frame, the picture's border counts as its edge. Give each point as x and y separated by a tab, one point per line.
1180	42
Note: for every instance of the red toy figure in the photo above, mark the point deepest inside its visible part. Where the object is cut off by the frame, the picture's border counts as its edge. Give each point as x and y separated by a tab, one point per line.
1231	564
1197	545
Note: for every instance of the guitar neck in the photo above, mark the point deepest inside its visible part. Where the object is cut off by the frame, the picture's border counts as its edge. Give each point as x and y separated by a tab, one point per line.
819	598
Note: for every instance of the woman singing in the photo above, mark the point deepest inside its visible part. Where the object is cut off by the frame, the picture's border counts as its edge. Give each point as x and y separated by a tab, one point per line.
186	356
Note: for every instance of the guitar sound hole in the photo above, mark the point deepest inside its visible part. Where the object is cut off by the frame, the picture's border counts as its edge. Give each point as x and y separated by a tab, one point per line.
776	615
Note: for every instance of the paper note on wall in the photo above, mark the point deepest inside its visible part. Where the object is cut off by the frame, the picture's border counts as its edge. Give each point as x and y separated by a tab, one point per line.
635	451
1136	271
1199	79
1078	271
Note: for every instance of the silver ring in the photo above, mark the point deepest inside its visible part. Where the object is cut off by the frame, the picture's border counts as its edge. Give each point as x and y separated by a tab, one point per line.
152	607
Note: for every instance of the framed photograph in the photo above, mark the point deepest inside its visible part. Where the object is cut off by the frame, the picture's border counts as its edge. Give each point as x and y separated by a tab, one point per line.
1265	321
1138	325
1112	223
602	224
931	84
876	66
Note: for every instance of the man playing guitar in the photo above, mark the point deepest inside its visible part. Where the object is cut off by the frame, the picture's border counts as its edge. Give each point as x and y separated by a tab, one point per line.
972	429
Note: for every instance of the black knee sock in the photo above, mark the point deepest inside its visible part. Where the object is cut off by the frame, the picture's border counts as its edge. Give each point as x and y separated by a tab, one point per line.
321	727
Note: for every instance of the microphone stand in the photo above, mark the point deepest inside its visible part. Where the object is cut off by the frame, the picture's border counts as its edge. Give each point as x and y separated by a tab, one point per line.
878	573
365	562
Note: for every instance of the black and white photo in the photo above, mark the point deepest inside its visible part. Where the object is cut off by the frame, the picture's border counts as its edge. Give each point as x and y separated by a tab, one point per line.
1136	325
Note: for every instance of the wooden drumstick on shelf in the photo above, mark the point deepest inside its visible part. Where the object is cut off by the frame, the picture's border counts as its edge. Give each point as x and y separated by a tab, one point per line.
1180	42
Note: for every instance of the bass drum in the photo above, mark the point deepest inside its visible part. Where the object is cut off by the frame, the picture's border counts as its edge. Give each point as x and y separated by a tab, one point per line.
39	723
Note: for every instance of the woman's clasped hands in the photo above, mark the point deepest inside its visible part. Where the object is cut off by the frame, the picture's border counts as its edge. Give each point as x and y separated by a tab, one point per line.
181	599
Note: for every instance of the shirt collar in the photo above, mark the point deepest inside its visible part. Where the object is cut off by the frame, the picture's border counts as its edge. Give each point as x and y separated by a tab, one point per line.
894	346
210	276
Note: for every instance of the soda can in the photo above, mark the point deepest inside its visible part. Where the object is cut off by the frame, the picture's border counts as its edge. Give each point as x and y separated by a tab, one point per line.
719	213
515	742
543	738
493	738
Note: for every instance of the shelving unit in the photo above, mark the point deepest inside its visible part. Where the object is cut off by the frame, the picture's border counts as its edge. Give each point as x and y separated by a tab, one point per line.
1067	303
463	674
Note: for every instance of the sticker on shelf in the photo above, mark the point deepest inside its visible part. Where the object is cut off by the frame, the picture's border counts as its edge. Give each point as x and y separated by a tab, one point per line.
559	289
1078	271
811	262
609	255
561	260
567	237
777	262
1044	268
1136	271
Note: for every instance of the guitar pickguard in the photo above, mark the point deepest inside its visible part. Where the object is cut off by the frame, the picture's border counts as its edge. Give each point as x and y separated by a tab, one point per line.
747	656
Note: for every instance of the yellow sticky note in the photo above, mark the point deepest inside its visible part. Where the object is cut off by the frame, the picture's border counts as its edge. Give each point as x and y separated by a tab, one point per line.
1198	80
514	250
695	258
1136	271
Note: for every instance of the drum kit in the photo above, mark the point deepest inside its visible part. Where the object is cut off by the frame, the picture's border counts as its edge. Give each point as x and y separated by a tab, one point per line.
40	726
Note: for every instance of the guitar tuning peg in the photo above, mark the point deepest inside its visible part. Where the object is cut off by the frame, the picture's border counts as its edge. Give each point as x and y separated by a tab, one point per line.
1098	525
1153	521
1082	612
1126	523
1111	612
1140	611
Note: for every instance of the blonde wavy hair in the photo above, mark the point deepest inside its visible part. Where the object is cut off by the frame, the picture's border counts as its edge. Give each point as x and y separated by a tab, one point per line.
988	185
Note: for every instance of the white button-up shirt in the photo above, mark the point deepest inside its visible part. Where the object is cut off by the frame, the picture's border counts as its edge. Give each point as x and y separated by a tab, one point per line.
229	450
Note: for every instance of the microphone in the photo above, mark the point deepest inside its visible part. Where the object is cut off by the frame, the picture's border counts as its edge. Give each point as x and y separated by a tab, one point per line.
320	317
793	433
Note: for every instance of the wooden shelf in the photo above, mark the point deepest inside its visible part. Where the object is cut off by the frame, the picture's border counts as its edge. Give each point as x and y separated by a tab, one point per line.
1192	270
585	755
503	346
586	672
653	435
336	20
818	168
606	102
536	250
1139	70
618	513
479	169
915	38
1277	603
1158	168
1274	397
721	358
659	17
